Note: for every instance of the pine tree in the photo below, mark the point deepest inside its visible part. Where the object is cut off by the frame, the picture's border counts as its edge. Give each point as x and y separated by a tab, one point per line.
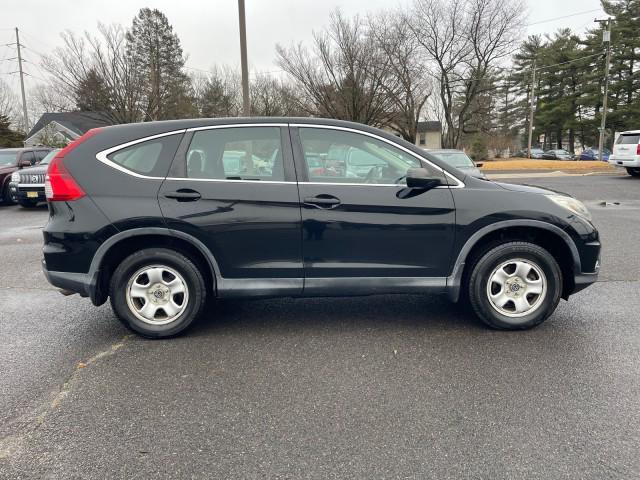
92	94
8	137
157	56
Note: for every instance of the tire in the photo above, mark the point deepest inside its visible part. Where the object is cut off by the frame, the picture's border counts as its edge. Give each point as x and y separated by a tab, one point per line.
634	172
26	203
7	199
531	288
146	278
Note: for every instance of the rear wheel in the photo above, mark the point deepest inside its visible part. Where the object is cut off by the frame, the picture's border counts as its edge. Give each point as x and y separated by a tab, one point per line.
634	172
157	292
515	286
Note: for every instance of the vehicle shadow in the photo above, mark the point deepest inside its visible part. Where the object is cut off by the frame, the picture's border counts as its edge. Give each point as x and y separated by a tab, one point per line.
417	312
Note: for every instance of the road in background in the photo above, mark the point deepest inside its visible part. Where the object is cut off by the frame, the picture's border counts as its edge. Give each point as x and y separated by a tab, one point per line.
400	386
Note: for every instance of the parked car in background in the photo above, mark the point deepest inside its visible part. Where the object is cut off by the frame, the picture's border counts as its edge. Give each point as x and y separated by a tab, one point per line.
459	160
12	159
593	154
128	222
535	153
626	152
558	154
27	185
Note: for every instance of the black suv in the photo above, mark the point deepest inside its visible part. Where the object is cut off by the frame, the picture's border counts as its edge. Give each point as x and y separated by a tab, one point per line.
160	216
27	185
13	160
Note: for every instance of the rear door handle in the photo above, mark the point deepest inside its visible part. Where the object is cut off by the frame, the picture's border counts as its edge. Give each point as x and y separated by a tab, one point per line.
184	195
322	201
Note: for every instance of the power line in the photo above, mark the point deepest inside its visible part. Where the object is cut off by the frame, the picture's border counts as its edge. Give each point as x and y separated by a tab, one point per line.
564	16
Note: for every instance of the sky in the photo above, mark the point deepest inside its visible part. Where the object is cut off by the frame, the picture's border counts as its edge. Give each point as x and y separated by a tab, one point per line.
208	29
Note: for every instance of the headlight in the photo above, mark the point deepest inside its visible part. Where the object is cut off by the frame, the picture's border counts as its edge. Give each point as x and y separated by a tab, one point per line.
571	204
15	177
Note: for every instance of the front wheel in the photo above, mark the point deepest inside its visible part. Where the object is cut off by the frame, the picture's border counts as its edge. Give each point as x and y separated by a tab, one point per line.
634	172
6	197
515	286
157	292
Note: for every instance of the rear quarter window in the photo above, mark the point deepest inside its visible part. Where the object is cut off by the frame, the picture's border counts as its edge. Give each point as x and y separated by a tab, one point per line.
151	157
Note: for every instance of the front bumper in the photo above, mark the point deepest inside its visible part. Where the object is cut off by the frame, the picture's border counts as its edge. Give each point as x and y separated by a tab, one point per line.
26	191
625	162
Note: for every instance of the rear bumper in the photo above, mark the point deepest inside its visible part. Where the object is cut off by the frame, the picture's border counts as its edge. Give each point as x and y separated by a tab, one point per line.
75	282
625	162
83	284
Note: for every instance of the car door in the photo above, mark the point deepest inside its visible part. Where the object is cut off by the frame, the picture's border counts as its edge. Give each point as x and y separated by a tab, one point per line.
368	224
234	189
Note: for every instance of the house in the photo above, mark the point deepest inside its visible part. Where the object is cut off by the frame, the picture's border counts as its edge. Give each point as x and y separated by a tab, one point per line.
428	136
61	128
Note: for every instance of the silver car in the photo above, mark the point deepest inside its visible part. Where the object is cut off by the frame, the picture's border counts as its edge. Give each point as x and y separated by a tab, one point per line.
459	160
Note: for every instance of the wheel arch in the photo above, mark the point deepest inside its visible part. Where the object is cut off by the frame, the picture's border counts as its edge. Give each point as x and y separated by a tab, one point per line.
119	246
552	238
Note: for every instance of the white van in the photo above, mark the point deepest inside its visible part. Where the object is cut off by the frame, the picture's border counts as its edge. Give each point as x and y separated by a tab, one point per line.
626	152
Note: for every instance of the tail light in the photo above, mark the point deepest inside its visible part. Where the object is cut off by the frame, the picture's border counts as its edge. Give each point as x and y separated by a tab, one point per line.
638	149
59	185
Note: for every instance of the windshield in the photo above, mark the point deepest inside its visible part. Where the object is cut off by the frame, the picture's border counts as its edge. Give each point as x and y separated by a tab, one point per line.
49	157
8	158
455	159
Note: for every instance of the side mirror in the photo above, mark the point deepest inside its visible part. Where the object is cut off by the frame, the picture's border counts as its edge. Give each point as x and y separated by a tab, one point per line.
25	163
479	164
421	178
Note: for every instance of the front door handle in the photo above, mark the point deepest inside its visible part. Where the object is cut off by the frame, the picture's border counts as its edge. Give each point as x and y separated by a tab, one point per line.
184	195
322	201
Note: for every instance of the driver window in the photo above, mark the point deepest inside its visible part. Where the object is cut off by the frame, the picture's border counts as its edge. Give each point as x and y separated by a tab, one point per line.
335	156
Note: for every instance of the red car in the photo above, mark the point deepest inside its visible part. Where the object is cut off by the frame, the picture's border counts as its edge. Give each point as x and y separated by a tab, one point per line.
12	159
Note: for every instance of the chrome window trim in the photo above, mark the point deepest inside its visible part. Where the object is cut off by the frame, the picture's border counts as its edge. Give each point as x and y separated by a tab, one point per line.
459	183
102	156
231	180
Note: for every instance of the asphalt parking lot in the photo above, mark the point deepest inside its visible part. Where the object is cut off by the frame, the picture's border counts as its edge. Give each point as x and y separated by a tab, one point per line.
372	387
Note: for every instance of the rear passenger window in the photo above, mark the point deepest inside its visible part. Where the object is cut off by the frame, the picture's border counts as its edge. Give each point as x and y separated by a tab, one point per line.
236	153
151	158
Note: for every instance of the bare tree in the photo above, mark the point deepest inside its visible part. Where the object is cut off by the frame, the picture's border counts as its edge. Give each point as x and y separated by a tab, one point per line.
271	97
465	40
103	56
343	75
408	85
8	102
218	93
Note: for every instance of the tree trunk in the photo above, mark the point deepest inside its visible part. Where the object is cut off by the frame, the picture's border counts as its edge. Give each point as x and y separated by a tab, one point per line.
572	140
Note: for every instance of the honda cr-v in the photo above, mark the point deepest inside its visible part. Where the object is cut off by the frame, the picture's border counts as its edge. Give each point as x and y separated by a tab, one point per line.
159	217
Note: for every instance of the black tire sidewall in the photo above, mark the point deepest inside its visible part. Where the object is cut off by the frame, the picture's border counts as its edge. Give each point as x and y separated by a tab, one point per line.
6	195
514	250
130	265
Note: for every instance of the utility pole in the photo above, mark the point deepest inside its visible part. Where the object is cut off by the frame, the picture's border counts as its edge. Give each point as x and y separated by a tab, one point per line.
246	106
606	38
532	105
24	98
